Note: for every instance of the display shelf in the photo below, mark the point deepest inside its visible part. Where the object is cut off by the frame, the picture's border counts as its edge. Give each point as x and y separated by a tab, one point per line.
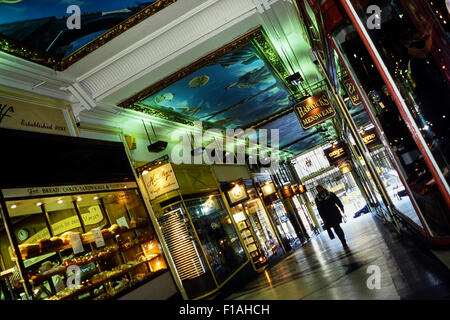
69	246
117	274
7	273
63	268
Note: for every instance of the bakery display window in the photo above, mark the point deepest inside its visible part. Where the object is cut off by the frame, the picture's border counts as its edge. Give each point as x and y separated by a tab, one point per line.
79	246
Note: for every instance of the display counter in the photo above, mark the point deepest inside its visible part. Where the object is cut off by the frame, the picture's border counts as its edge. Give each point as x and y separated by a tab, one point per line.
196	225
74	241
253	223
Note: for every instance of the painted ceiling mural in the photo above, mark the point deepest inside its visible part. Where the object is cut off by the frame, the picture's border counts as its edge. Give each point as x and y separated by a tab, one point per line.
41	25
234	92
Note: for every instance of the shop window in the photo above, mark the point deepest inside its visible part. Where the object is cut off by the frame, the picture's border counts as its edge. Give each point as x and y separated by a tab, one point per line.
85	246
186	251
416	52
217	236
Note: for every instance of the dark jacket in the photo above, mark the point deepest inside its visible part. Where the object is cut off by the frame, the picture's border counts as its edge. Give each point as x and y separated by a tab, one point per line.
328	208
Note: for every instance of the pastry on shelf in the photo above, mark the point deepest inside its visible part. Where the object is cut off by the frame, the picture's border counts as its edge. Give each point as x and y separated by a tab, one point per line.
56	243
87	237
45	244
107	234
28	250
114	229
138	222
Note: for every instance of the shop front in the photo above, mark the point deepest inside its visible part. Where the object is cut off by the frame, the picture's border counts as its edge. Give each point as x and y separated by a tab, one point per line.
397	63
279	215
248	211
74	225
293	193
198	230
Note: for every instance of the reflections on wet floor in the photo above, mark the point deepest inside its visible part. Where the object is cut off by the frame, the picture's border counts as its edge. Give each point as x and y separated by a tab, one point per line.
324	270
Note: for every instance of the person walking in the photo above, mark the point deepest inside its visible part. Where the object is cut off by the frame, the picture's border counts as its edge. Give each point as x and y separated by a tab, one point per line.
328	205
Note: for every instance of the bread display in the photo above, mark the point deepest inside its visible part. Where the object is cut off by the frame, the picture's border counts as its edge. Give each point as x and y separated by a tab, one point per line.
56	243
138	222
87	237
29	250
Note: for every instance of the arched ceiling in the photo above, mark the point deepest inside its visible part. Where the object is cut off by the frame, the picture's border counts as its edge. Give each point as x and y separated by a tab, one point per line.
242	87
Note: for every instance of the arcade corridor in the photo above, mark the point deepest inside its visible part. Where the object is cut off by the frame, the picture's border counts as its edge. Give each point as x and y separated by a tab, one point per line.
323	270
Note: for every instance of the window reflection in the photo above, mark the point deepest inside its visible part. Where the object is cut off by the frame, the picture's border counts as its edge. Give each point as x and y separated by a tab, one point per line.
217	235
416	50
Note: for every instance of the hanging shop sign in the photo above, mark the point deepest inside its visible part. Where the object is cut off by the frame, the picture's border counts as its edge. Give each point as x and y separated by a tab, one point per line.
237	194
268	189
22	115
289	191
301	189
370	138
345	168
46	191
160	181
351	92
335	154
314	110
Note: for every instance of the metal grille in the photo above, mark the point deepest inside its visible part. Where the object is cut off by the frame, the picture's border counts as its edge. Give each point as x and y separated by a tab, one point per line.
181	245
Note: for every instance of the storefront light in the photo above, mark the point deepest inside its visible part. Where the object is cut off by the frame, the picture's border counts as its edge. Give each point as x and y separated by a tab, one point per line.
79	199
238	217
96	198
13	206
60	201
38	204
145	172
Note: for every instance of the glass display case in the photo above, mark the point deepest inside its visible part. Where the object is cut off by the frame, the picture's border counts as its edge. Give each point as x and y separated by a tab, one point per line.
282	222
94	245
255	228
197	228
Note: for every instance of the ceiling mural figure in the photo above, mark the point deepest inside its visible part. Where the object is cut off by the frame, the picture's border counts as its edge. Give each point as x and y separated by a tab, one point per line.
40	30
236	90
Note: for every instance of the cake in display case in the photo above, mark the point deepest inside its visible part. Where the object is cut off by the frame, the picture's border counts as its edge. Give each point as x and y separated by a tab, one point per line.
81	246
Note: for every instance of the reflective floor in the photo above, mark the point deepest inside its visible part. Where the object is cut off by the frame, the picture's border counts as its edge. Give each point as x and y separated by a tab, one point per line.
323	270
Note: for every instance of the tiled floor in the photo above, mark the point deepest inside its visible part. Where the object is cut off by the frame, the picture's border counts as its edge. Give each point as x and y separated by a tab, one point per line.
323	270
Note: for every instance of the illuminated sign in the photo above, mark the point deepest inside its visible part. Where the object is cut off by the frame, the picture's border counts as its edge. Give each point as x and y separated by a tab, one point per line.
370	138
288	191
301	189
351	91
238	217
160	181
237	194
335	154
22	115
268	189
314	110
345	168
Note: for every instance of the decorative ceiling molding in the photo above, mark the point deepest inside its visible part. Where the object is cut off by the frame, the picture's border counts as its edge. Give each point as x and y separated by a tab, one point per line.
15	48
28	76
256	36
202	62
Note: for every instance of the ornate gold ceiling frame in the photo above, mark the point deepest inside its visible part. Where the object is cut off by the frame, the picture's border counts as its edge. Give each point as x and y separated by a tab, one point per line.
22	51
256	36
